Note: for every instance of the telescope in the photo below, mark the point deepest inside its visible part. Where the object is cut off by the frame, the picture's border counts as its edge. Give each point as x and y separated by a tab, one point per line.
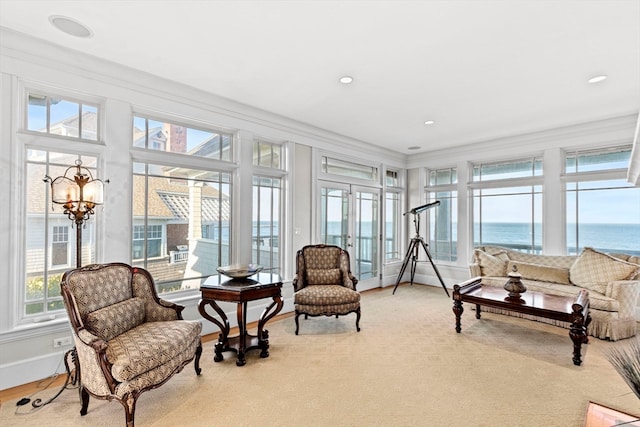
422	208
417	242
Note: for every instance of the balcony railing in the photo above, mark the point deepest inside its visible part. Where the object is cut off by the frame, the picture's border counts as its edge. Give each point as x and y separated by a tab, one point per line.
178	256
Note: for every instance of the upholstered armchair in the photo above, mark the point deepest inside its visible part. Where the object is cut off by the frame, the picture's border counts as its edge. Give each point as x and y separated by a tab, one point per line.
323	284
127	340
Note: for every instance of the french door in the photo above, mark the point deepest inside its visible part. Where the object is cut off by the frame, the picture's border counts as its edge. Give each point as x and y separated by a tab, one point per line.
349	218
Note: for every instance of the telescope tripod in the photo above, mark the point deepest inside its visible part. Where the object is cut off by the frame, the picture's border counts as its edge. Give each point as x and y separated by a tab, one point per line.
412	252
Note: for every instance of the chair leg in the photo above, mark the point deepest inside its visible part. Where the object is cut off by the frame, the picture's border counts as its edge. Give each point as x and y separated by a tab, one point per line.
130	408
196	362
297	325
358	319
84	398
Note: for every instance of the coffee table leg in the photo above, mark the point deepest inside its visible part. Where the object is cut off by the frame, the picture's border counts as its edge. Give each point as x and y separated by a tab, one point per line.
457	309
578	331
578	336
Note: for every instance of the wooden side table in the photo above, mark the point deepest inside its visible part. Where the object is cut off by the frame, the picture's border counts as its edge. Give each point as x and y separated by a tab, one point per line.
241	291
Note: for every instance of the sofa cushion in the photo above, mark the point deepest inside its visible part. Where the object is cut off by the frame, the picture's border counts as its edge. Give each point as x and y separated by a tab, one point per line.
593	270
150	345
111	321
331	276
562	261
633	259
541	272
492	265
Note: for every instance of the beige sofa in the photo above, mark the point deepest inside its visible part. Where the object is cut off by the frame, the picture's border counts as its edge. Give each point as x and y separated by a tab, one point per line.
613	282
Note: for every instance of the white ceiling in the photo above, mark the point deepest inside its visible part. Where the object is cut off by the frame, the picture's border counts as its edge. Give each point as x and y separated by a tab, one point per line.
481	69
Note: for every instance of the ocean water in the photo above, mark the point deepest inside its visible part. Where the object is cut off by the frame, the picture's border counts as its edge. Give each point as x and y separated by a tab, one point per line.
605	237
623	238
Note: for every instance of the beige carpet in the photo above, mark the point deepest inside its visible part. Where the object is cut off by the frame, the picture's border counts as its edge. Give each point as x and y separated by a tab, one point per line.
407	367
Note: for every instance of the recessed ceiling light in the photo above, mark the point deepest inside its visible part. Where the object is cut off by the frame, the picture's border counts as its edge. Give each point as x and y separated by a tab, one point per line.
429	122
345	80
70	26
597	79
414	147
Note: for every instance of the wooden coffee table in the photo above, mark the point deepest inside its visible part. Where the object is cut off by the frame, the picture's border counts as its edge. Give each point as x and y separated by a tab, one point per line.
574	310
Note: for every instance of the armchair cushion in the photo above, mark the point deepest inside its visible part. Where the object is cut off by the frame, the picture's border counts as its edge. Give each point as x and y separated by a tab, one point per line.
330	276
111	321
326	295
150	345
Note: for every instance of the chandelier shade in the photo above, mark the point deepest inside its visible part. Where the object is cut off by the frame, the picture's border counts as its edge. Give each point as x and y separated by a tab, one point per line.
78	194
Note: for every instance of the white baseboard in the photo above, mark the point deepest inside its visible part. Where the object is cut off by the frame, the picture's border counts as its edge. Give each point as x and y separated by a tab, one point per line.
29	370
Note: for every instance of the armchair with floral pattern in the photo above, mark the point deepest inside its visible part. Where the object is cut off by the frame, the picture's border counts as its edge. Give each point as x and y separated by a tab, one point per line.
324	284
127	340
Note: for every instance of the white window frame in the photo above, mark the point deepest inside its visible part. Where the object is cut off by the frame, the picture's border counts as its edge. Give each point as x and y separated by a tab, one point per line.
533	181
430	196
618	174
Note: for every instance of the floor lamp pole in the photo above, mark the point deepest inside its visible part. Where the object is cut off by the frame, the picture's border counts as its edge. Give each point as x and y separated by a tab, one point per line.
78	194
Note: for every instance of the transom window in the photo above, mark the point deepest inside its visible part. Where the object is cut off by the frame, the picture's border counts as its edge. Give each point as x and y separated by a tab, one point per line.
267	154
392	178
181	139
507	170
349	169
62	117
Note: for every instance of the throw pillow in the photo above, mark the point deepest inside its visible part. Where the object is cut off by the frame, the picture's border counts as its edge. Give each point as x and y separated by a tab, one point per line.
492	265
540	272
593	270
332	276
115	319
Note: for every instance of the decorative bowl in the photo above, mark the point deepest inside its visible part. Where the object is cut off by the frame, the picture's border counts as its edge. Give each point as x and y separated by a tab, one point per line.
239	271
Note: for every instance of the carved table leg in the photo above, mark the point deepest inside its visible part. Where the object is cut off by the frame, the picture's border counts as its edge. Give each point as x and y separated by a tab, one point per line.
578	331
578	335
241	314
457	309
263	334
478	312
223	337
